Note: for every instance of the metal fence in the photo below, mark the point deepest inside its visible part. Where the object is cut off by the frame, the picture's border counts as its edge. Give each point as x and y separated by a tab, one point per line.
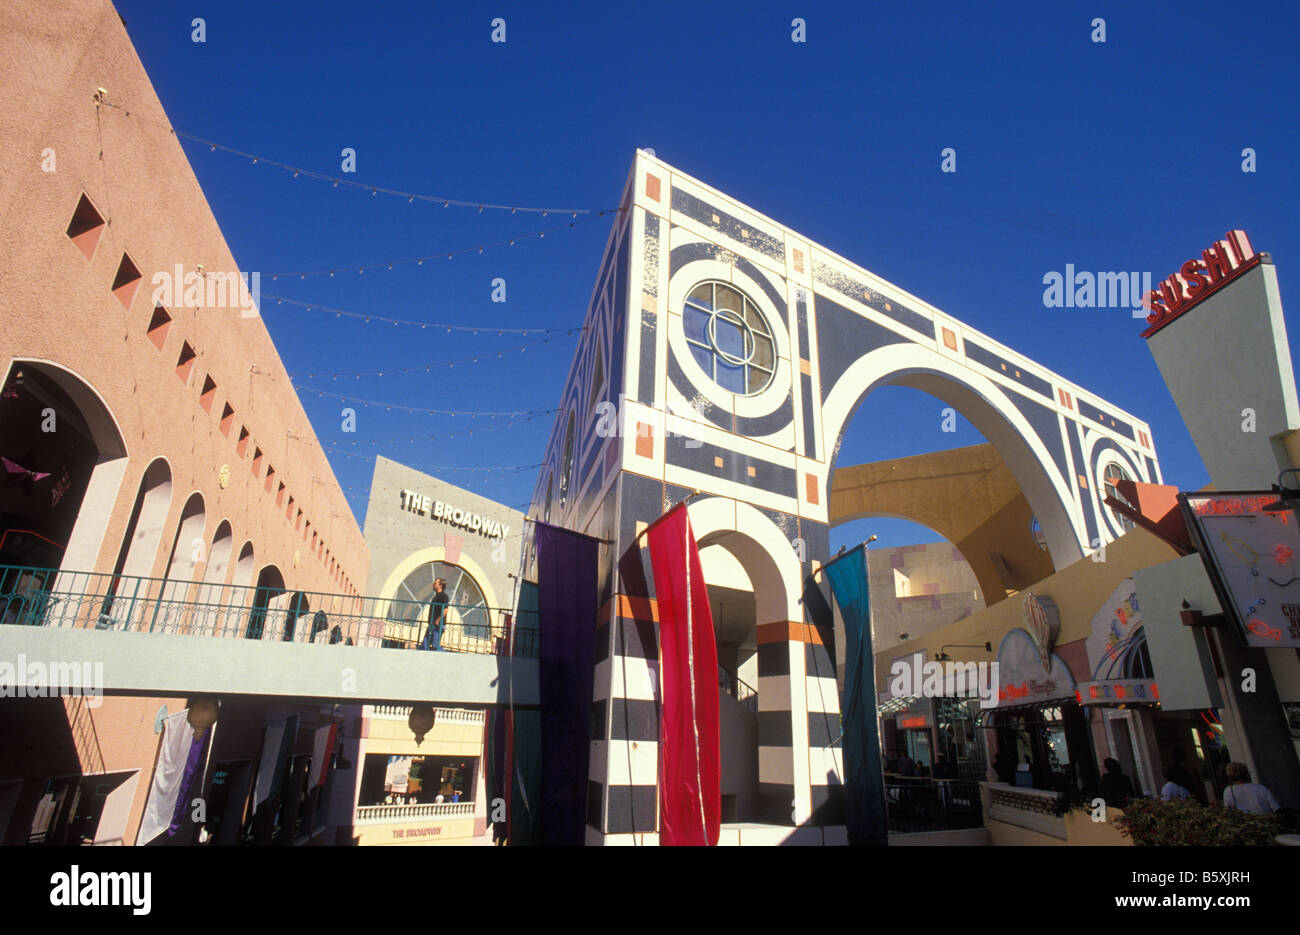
932	805
49	597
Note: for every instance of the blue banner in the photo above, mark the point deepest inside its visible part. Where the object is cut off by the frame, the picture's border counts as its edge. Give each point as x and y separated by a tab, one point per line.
864	787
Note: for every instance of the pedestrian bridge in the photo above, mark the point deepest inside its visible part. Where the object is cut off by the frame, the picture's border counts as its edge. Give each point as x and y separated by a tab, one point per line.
151	636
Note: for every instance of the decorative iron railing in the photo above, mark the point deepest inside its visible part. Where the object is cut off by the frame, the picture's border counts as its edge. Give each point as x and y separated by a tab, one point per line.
731	683
916	805
48	597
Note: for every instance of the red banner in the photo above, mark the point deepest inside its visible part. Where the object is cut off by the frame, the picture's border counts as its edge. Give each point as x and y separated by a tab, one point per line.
689	759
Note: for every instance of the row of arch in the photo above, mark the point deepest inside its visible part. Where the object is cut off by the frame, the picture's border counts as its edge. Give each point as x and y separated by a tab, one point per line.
232	596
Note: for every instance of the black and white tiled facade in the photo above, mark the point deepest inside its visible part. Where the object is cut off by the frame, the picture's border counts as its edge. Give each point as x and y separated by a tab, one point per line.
642	426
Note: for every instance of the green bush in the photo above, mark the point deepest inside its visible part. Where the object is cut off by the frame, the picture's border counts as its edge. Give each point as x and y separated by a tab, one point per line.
1186	822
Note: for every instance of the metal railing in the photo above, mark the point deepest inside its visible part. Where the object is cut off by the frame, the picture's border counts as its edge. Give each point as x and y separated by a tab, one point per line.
916	805
383	814
49	597
731	683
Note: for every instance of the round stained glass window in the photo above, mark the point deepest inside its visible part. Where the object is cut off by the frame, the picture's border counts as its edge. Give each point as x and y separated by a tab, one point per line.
729	338
410	605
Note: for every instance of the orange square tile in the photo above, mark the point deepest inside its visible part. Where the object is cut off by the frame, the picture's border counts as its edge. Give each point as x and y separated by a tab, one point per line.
949	339
751	471
645	440
810	486
1083	482
798	261
717	461
652	187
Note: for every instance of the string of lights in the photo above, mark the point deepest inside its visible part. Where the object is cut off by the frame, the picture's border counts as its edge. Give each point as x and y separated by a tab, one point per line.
426	439
449	254
427	368
420	409
340	180
368	317
489	469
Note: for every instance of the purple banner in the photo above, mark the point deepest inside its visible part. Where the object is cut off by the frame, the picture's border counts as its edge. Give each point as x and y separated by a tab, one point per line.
566	586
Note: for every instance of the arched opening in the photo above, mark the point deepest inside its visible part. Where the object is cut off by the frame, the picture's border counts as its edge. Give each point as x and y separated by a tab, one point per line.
139	550
902	457
244	566
1031	451
211	600
269	601
62	459
467	618
741	555
187	553
299	606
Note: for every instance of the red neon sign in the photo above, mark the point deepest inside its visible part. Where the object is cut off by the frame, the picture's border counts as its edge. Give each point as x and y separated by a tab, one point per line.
1198	278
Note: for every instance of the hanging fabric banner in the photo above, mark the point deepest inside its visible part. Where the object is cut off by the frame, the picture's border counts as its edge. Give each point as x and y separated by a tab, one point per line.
178	737
863	780
321	749
690	801
279	743
183	803
566	596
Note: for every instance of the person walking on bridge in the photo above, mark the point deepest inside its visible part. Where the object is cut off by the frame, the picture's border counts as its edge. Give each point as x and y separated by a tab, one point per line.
437	611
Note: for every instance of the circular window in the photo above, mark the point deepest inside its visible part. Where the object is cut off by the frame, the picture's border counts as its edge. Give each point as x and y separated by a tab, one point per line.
1113	473
410	605
729	338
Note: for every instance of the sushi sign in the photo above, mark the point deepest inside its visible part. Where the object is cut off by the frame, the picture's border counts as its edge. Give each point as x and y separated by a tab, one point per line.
1219	264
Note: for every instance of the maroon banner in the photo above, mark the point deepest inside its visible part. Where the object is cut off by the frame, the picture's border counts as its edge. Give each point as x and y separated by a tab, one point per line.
689	759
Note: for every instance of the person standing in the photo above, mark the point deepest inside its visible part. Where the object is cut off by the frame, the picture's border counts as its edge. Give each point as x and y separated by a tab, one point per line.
1173	789
1116	788
1246	795
437	611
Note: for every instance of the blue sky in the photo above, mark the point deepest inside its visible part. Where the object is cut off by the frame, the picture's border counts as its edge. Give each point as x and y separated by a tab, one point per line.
1123	155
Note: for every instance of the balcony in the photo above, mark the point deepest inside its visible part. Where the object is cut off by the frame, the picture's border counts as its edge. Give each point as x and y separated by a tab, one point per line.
49	597
155	636
393	814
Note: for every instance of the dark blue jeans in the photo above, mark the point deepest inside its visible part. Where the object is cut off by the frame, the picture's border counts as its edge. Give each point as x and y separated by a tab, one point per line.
432	637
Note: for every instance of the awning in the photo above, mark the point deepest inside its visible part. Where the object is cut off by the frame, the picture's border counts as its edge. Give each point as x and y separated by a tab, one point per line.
1023	710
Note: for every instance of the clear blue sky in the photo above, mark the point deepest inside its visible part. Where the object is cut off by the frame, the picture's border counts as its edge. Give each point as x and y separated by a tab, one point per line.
1117	156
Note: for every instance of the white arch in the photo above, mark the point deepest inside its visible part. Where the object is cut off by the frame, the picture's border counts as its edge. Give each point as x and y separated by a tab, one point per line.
761	548
984	404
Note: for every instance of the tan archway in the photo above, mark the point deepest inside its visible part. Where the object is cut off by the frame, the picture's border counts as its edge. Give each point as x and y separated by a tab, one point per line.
967	495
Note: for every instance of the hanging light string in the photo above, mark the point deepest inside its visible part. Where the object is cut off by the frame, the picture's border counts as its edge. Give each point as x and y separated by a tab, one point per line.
367	317
427	439
419	260
427	368
338	180
513	468
419	409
